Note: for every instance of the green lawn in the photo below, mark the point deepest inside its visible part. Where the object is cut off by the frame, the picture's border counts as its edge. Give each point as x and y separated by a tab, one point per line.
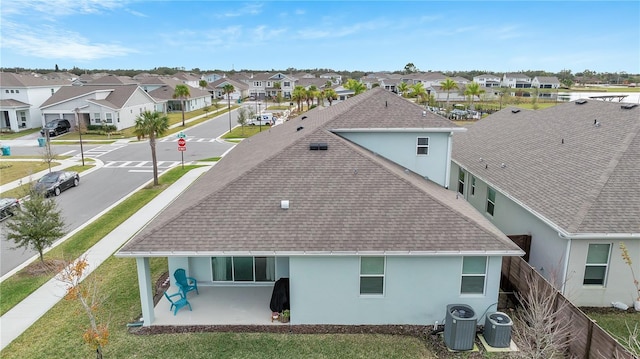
615	322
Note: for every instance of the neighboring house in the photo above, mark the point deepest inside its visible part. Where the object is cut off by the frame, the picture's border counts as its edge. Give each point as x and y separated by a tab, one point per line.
335	78
390	84
213	77
20	98
516	81
567	179
262	85
487	80
117	105
343	93
354	212
216	88
198	98
545	82
192	80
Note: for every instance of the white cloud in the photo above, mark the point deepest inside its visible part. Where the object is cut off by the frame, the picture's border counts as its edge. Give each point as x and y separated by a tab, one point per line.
51	43
334	32
61	7
247	9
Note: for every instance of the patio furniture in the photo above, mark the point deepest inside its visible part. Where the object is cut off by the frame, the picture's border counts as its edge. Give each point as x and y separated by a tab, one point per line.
186	284
177	303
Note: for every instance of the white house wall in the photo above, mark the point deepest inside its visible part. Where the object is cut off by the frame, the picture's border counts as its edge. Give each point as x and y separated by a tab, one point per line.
325	290
401	149
34	96
618	285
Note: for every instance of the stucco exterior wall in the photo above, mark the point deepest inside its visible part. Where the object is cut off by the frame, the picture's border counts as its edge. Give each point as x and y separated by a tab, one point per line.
325	290
401	149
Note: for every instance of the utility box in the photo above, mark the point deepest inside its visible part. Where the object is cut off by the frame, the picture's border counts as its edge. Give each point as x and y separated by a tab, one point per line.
497	330
460	327
6	151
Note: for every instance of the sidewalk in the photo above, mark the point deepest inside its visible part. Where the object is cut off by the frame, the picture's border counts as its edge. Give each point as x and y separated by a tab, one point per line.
22	316
34	177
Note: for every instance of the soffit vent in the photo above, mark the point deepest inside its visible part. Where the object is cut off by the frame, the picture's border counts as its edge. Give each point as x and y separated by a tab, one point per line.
628	106
581	102
318	146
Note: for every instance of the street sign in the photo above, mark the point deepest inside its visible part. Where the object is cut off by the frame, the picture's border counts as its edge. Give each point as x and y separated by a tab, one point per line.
181	135
182	144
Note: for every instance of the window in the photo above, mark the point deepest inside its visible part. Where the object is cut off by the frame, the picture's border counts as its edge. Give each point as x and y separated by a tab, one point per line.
6	91
474	271
108	118
243	269
96	117
287	84
595	270
473	186
461	181
371	275
423	146
491	200
52	91
17	91
257	83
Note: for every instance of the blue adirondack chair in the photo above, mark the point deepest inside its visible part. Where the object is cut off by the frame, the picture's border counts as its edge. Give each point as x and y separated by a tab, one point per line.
177	303
186	284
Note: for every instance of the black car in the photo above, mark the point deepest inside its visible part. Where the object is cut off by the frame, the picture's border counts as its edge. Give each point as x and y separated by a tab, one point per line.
56	127
8	206
53	183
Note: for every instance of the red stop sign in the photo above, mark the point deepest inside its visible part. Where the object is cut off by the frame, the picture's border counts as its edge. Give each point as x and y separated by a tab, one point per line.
182	142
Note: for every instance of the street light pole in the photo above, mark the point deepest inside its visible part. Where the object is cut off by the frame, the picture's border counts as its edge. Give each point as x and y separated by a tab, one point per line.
76	110
259	117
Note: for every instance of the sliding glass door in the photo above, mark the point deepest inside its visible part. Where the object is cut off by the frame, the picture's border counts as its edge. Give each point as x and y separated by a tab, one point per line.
243	269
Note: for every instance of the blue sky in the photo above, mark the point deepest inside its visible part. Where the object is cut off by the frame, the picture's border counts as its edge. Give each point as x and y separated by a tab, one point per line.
500	36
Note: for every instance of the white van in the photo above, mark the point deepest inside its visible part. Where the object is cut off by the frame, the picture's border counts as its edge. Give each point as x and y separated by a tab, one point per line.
266	119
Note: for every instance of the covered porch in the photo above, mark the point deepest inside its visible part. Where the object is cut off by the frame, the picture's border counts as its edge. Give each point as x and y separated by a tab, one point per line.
219	305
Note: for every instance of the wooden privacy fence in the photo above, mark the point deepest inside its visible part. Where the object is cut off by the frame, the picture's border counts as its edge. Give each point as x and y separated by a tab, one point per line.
588	340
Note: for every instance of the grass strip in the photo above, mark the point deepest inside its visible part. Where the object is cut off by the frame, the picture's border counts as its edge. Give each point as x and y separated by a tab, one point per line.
20	285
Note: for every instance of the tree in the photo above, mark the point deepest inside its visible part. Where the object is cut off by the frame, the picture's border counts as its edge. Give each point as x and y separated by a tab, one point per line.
182	92
278	86
203	84
228	89
154	125
472	90
86	293
403	88
299	94
447	85
331	95
410	68
356	86
419	92
243	115
37	224
311	94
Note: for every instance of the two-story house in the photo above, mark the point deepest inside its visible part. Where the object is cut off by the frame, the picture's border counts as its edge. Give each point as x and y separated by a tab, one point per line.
566	180
487	80
515	80
347	202
545	82
21	96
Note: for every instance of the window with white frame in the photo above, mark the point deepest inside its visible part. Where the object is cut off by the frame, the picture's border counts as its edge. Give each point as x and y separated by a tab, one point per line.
372	275
96	117
491	200
423	146
243	269
474	272
461	181
108	118
287	84
257	83
595	271
473	185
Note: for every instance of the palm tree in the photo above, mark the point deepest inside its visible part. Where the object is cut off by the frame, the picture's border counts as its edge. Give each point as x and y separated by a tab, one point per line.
473	89
356	86
182	92
403	88
228	90
330	94
202	84
152	124
278	87
448	85
312	93
298	95
419	92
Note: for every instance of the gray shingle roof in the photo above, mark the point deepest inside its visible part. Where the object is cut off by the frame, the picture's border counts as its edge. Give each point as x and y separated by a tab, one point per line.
117	98
583	178
344	199
8	80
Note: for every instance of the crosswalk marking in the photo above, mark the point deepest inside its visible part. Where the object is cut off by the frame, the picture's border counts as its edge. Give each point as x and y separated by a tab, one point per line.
142	165
189	139
100	151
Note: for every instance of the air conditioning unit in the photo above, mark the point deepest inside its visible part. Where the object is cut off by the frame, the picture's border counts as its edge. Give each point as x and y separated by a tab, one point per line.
460	327
497	330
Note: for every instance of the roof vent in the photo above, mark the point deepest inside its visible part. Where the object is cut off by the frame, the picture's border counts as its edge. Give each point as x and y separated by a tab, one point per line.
581	101
424	113
596	123
318	146
299	128
515	110
284	204
303	117
628	106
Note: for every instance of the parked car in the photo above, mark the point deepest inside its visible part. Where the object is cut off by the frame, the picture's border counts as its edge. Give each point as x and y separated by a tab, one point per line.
56	127
55	182
8	206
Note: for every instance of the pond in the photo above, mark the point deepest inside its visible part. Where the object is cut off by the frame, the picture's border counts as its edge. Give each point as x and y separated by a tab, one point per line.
631	97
